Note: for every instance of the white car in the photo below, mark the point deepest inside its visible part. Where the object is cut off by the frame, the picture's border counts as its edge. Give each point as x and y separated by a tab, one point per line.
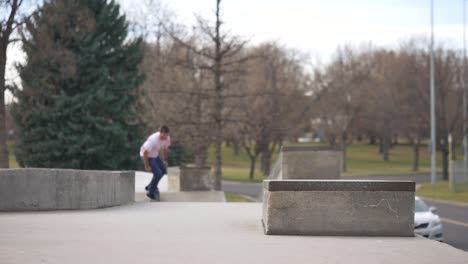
426	222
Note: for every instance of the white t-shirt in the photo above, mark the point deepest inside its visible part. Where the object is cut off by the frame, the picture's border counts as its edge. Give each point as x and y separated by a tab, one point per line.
154	144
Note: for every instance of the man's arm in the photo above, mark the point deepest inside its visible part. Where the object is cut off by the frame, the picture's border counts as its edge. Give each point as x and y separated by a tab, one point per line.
146	162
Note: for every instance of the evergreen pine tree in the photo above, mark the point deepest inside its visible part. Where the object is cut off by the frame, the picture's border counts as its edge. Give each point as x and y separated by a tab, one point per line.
78	104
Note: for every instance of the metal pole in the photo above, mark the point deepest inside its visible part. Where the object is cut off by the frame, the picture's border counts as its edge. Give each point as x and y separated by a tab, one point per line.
465	100
433	120
451	179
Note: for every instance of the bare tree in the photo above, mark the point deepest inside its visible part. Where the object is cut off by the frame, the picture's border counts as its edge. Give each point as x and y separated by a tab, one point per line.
9	22
276	107
448	92
382	110
413	79
219	54
449	109
340	91
174	96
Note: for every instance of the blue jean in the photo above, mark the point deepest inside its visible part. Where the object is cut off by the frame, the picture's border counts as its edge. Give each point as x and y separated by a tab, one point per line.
158	169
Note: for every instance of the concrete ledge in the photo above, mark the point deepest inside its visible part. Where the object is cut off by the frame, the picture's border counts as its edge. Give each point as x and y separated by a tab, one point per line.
188	178
63	189
307	162
338	208
195	178
338	185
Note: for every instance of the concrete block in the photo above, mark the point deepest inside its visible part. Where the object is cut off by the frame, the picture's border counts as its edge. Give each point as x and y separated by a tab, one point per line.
195	179
173	179
338	208
310	163
62	189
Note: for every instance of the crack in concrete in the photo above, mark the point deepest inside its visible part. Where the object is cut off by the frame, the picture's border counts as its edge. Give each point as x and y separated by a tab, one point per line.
378	204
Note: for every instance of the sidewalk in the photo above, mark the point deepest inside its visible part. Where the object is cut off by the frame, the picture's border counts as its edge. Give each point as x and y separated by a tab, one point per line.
150	232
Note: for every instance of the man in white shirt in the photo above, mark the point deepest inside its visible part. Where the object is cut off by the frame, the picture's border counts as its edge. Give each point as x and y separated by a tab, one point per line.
155	146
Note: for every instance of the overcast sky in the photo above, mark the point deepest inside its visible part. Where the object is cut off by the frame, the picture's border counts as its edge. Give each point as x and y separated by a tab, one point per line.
318	27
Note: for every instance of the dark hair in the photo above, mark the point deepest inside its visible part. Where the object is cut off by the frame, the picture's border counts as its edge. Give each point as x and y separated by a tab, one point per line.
164	129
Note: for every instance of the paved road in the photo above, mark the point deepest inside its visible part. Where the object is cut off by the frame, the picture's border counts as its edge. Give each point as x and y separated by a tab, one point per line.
415	178
254	190
455	223
454	218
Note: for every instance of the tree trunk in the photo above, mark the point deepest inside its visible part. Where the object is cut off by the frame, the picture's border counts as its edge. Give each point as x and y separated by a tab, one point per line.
386	147
218	163
3	133
445	163
252	154
344	163
454	150
235	150
416	144
445	157
381	145
266	162
218	103
252	167
6	30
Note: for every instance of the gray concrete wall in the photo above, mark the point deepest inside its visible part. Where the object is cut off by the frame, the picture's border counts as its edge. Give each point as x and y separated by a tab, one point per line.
338	208
310	163
62	189
195	179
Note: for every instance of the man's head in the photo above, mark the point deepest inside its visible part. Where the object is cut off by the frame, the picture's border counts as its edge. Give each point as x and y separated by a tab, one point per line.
163	132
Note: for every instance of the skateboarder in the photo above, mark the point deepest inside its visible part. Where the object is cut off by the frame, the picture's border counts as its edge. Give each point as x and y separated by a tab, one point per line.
154	154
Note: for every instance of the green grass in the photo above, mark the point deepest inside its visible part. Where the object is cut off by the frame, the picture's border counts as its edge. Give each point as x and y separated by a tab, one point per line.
11	155
362	160
236	168
233	173
236	198
365	160
442	192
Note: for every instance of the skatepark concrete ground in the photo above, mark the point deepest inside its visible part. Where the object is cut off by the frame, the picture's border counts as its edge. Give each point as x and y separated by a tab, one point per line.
152	232
191	232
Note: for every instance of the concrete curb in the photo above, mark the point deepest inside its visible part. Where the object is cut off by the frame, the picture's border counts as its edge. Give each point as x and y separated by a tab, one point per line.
444	201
